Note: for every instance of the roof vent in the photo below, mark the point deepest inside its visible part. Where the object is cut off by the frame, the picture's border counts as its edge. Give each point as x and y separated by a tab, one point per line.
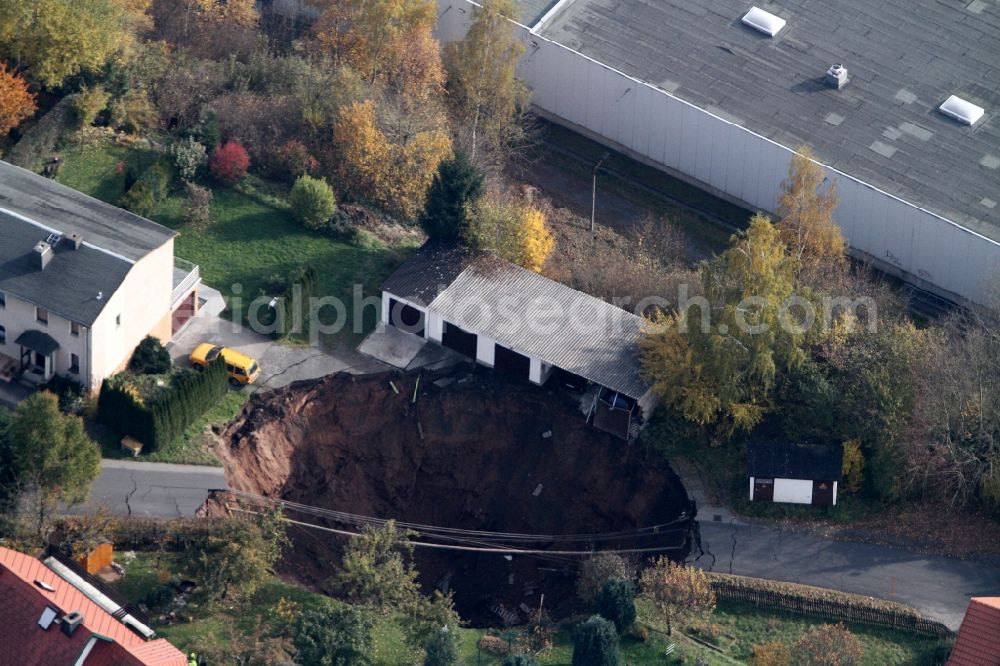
48	614
765	22
76	240
70	622
53	239
836	76
961	110
45	586
43	254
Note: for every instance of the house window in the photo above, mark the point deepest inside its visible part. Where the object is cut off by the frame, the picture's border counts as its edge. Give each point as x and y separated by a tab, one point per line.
74	329
42	316
118	320
3	300
3	335
74	364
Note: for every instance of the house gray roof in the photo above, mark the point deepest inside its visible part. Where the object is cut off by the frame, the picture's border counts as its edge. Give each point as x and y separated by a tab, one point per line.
526	312
904	58
70	283
66	211
784	460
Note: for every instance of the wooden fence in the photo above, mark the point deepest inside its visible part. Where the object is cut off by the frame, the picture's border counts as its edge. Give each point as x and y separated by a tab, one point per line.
823	603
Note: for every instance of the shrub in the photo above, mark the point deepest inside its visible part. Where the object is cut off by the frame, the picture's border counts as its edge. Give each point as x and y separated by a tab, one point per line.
596	571
133	112
72	396
189	156
520	660
827	645
937	655
516	232
493	645
293	160
88	103
441	649
229	162
312	201
160	596
774	653
616	602
197	205
148	191
150	357
337	635
595	643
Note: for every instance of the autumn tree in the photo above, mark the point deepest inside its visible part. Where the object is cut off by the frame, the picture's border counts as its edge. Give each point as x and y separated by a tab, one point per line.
773	653
827	645
719	369
486	97
597	570
51	40
16	103
54	459
391	171
513	230
678	592
457	185
805	216
209	28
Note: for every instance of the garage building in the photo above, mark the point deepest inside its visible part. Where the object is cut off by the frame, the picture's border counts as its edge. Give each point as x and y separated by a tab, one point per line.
794	473
523	324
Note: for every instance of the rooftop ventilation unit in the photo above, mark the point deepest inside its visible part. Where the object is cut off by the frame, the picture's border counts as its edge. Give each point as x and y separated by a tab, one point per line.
53	239
765	22
43	254
961	110
836	76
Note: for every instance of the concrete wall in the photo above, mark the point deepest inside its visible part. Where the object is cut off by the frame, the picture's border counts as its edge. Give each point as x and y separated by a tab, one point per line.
656	127
19	316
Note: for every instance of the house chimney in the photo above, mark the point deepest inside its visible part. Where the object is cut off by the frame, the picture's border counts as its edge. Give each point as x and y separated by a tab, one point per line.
836	76
75	240
70	622
43	254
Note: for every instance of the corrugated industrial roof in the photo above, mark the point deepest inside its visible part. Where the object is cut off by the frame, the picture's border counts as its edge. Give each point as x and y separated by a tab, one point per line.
25	642
67	211
528	313
904	58
75	284
978	642
783	460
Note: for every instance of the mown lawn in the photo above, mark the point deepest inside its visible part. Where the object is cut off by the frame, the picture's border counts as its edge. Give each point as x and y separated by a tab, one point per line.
252	238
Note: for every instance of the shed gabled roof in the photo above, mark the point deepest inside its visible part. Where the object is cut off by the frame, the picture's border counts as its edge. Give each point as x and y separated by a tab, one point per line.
783	460
23	641
978	640
526	312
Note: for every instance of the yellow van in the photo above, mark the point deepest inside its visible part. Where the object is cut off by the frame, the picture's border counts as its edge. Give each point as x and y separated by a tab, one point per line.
242	369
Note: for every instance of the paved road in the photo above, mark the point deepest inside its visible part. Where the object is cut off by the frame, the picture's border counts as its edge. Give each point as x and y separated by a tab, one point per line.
127	488
939	587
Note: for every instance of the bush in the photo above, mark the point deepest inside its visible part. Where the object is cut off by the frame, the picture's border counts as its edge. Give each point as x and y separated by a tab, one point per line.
616	602
88	103
72	396
827	645
150	357
937	655
596	571
441	649
133	112
293	159
520	660
774	653
595	643
197	205
337	635
189	156
493	645
229	163
159	597
312	201
148	191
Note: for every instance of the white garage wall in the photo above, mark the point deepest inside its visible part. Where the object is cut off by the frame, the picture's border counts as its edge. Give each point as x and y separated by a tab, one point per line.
796	491
915	244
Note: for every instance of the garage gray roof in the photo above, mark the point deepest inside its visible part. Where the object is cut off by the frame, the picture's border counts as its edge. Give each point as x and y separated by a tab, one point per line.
66	211
784	460
528	313
71	282
904	57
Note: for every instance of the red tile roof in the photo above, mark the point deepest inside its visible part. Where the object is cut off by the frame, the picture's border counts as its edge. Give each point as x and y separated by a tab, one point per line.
978	642
25	642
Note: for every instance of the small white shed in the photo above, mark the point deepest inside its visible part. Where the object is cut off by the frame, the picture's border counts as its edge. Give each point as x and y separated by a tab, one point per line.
794	473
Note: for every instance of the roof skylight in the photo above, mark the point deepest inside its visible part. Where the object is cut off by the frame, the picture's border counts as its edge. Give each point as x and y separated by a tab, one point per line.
962	110
765	22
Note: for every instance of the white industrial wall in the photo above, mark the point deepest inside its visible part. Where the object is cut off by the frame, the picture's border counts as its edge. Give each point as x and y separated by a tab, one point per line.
628	114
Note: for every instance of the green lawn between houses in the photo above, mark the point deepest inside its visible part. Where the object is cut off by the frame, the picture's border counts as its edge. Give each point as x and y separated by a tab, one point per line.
253	236
738	629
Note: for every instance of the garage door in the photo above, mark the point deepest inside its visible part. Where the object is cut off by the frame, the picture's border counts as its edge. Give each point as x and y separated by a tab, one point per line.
406	317
511	363
461	341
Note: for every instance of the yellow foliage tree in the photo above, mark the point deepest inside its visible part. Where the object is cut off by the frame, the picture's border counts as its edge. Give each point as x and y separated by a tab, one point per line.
853	465
805	215
394	175
678	592
774	653
516	232
238	12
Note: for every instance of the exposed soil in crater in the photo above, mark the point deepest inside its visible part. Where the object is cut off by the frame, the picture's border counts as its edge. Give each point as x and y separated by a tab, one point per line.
471	455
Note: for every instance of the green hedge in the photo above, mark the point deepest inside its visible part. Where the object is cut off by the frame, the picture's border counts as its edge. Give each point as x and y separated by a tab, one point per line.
824	603
163	419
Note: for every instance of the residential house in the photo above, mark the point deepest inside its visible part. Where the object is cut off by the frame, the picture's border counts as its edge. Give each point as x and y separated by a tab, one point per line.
978	642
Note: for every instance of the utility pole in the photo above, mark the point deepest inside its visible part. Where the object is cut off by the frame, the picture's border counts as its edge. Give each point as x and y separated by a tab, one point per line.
593	193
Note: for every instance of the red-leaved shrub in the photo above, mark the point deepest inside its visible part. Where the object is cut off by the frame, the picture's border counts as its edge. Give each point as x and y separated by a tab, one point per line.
229	162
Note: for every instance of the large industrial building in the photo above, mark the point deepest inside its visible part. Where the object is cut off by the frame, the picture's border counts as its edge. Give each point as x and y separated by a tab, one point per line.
899	100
